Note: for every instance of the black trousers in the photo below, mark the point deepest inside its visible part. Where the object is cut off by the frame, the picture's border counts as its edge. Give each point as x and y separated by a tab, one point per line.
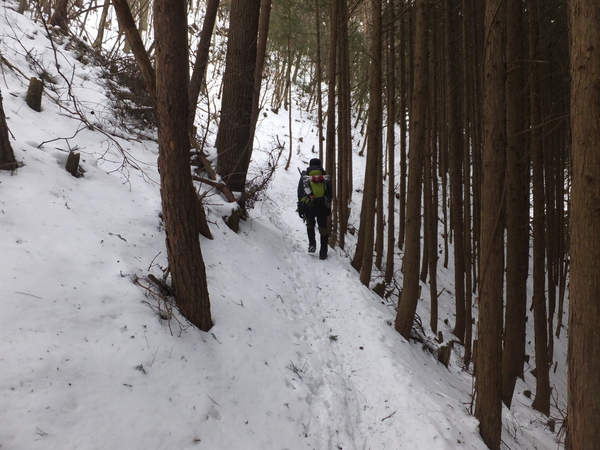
318	216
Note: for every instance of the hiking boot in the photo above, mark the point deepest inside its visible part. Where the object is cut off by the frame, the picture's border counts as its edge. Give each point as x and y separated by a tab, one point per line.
312	242
323	248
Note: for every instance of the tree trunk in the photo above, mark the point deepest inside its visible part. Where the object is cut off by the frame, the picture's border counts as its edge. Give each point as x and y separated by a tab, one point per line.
179	199
331	79
410	286
466	171
199	70
517	207
379	210
390	51
372	168
404	41
455	167
471	143
430	206
475	54
60	17
7	156
127	24
583	412
343	177
542	393
288	90
488	409
261	54
232	142
319	78
101	25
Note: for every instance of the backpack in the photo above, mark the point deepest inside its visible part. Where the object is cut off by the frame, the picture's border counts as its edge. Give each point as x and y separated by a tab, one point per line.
315	181
315	187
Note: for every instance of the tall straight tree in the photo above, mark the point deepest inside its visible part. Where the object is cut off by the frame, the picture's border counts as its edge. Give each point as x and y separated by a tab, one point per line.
488	371
542	392
404	41
178	196
476	31
261	54
343	177
455	163
232	142
412	254
517	205
430	208
379	210
583	409
199	70
472	143
390	52
372	168
332	66
319	77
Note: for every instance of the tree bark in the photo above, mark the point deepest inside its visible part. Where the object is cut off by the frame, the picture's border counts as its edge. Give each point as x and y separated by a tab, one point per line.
34	94
199	70
261	54
132	34
430	255
467	107
455	168
390	51
60	17
488	408
179	199
232	142
101	25
319	78
584	314
542	393
7	156
403	169
373	166
412	254
517	206
343	176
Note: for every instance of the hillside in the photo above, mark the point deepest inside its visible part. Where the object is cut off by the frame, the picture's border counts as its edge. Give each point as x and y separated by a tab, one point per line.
302	355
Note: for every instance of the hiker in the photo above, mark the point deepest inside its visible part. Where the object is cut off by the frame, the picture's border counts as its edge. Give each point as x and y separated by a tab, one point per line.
314	204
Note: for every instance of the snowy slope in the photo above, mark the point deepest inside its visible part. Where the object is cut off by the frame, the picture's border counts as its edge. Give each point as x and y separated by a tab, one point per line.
301	356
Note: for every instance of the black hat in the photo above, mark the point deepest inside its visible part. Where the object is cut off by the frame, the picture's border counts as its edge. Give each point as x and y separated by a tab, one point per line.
315	162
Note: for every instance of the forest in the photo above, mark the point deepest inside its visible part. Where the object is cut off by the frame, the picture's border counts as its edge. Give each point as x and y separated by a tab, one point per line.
479	124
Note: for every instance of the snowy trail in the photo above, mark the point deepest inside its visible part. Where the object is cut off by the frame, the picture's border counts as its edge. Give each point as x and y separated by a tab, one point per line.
359	392
301	355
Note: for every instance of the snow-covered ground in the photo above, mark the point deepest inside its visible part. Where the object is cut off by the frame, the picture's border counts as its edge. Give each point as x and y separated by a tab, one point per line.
301	356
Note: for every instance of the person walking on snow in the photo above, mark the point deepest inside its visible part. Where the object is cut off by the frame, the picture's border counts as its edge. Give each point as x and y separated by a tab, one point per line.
314	204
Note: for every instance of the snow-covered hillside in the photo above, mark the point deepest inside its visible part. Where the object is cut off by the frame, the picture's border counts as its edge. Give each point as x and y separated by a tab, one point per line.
301	356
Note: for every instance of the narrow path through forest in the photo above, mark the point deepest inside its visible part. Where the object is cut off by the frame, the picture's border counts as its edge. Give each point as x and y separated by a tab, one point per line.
362	395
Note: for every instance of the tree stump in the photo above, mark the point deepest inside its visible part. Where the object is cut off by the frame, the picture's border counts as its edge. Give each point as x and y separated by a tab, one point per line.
444	353
379	289
203	227
233	221
72	165
34	94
